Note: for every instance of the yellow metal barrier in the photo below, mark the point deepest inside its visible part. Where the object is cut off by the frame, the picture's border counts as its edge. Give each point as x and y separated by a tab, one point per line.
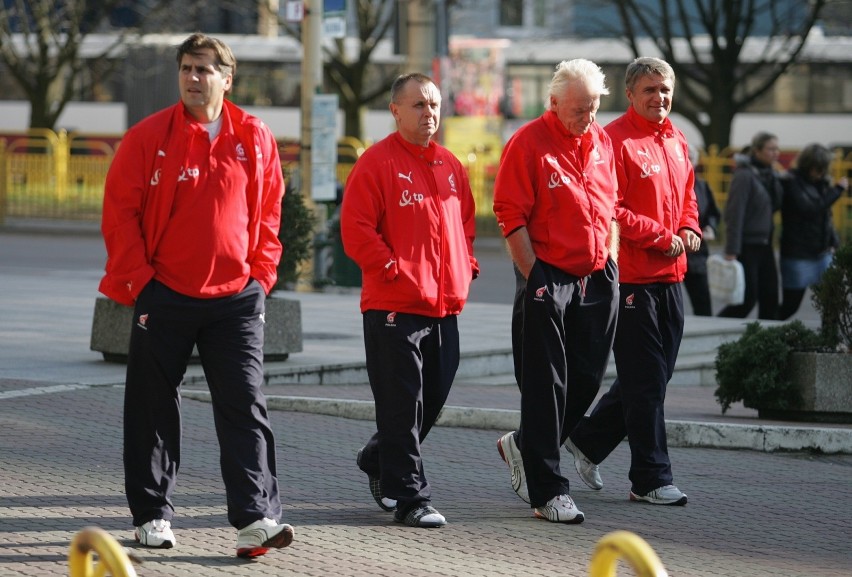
629	546
111	556
56	175
46	174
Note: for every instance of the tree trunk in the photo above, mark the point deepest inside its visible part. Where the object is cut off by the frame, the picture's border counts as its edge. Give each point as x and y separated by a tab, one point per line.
353	115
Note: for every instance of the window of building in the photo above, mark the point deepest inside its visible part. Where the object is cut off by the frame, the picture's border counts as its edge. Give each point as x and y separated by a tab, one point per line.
511	13
831	88
540	13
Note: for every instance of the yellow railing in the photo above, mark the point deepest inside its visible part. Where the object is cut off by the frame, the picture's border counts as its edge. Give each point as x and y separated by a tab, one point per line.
46	174
59	175
113	560
715	166
111	557
630	547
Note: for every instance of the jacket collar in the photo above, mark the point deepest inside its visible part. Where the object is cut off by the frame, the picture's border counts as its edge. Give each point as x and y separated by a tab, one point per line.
427	152
553	122
664	129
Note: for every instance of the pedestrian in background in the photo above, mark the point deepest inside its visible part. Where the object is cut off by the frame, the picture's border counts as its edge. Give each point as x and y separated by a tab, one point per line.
808	237
408	221
658	220
554	197
192	209
753	197
695	281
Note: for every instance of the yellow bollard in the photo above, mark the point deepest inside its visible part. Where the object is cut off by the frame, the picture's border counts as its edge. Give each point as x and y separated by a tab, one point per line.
112	558
624	544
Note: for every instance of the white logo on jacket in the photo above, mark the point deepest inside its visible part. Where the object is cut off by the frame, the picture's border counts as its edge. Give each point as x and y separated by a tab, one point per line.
556	180
649	170
452	182
187	173
155	180
406	176
409	198
241	152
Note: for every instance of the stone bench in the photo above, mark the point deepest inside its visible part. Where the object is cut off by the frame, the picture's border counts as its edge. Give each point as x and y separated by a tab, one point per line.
112	322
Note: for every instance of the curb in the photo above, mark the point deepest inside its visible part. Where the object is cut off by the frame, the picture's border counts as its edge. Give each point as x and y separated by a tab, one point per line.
472	364
692	434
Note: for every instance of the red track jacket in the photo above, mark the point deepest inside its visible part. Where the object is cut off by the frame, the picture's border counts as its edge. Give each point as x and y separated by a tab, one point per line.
656	198
563	189
139	196
408	221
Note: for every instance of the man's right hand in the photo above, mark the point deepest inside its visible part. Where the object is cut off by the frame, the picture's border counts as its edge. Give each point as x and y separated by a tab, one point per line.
677	248
521	250
526	273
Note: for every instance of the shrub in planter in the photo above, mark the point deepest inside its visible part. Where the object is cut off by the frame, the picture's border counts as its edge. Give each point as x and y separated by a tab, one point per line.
296	234
753	369
760	370
832	297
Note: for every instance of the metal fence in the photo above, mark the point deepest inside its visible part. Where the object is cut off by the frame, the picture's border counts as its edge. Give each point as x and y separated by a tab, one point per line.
715	166
57	175
46	174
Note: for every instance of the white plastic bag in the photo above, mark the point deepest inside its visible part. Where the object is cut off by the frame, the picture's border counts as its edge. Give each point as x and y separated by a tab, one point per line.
726	279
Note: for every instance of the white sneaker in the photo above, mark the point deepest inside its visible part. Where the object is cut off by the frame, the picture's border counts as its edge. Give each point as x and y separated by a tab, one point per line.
261	536
156	533
510	453
589	473
560	509
666	495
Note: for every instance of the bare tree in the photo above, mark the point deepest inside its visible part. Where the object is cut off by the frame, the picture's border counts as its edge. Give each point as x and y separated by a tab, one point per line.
705	41
349	65
40	45
356	81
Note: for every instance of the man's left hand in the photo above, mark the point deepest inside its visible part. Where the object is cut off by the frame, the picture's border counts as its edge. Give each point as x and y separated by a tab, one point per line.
691	241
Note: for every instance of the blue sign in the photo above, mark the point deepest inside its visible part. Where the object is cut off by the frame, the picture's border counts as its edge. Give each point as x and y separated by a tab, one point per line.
334	6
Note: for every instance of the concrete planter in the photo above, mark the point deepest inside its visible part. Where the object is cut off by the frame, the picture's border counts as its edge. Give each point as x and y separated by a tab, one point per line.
826	387
282	334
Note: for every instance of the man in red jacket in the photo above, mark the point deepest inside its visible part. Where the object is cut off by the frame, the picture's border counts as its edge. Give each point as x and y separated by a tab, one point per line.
192	208
658	218
554	198
408	221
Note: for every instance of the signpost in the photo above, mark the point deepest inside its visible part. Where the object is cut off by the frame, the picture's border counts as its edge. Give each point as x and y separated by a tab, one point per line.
324	148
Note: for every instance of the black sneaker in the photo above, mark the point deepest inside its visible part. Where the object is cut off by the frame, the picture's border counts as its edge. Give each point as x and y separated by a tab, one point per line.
376	488
421	516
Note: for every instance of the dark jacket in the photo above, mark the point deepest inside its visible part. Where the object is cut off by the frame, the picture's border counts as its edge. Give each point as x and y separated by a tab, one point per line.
708	215
806	228
754	196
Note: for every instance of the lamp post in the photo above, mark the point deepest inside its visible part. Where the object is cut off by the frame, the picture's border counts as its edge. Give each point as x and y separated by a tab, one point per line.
420	25
311	82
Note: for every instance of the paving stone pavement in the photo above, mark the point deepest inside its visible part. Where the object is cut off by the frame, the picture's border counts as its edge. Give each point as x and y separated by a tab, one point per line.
750	514
757	514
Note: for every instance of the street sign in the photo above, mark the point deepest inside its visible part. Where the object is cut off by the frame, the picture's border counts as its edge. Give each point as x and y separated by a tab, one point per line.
334	18
294	11
334	27
324	147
